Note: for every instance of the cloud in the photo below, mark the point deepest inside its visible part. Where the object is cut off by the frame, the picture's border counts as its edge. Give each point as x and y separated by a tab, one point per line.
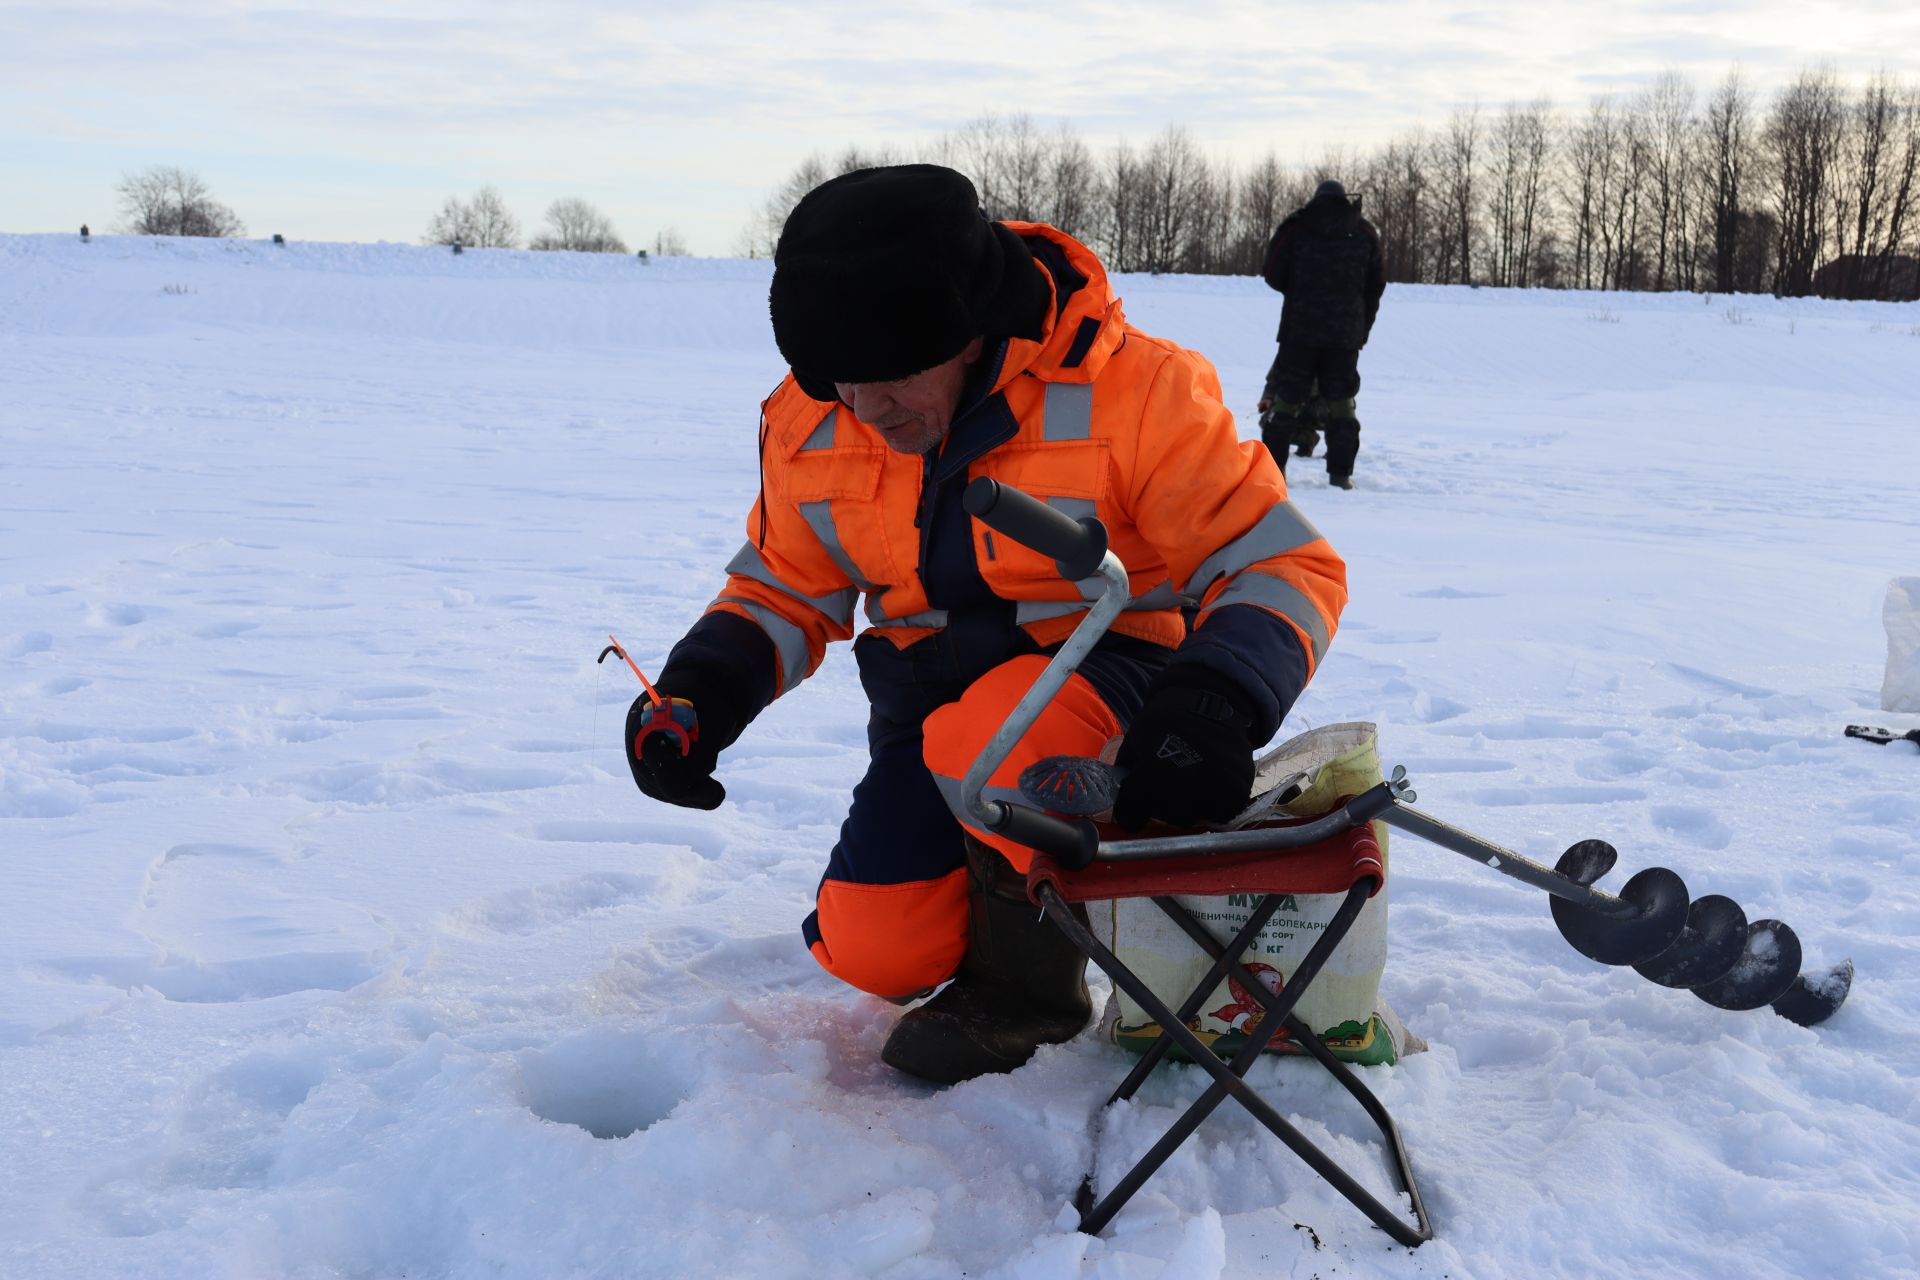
643	101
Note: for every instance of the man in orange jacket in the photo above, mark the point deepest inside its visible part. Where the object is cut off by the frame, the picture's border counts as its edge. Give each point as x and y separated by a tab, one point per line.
928	346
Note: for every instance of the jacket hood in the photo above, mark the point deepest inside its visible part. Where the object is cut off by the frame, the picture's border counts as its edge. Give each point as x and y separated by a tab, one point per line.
1328	213
1083	324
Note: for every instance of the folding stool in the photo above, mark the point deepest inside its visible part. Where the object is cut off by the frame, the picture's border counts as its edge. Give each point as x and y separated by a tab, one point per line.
1349	863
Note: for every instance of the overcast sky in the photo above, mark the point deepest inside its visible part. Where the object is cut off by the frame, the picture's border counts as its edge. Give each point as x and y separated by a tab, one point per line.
354	120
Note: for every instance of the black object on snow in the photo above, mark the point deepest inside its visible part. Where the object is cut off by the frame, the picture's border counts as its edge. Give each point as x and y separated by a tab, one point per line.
1882	736
278	238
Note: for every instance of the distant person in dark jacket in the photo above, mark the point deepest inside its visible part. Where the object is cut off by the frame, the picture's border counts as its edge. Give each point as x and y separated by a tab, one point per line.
1326	259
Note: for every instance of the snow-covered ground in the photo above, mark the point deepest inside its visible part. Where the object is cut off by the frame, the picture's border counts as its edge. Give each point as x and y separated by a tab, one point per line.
335	941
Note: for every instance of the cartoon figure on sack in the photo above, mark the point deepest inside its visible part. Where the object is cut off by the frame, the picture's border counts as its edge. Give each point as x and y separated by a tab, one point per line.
1245	1013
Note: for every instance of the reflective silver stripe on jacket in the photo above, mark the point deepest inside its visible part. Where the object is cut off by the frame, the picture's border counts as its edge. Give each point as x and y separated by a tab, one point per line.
935	618
822	437
1285	599
1280	530
789	641
1068	411
837	606
1160	598
819	518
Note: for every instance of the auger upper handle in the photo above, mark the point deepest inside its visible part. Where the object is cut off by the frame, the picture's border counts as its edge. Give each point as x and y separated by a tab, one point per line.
1077	546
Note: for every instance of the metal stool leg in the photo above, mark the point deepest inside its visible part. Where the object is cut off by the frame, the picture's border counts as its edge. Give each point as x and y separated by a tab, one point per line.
1308	1040
1226	1080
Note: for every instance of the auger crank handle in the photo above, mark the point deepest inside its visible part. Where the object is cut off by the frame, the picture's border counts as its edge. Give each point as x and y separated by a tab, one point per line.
1070	842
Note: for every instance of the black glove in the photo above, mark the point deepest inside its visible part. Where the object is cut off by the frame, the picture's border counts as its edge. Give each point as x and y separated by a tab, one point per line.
1188	756
673	751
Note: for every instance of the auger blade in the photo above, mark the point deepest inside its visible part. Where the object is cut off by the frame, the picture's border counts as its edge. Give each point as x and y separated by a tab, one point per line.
1709	947
1765	970
1811	1001
1660	895
1587	861
1072	785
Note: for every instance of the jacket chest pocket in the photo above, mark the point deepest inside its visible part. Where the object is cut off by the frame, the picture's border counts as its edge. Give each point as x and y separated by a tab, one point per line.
1072	477
837	492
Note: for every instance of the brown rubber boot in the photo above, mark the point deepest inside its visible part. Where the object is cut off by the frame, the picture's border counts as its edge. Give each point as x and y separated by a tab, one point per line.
1022	984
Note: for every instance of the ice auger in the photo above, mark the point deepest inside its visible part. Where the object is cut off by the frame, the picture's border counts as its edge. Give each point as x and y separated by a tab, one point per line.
1707	946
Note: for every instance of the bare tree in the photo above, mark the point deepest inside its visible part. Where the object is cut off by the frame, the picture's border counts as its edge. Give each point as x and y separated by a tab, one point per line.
762	233
1118	232
1257	211
1803	137
1173	177
484	222
1669	117
1007	160
669	244
1903	192
1456	151
1208	241
1073	185
1623	255
573	224
1516	170
1399	195
167	201
1872	190
1727	160
1588	155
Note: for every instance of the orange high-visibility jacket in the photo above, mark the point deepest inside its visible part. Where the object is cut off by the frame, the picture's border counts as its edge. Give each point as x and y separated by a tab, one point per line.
1112	423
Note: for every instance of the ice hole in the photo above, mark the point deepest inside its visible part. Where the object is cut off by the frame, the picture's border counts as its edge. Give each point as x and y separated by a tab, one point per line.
611	1085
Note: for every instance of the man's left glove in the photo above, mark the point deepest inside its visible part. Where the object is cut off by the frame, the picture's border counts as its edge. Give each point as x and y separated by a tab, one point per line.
1188	757
673	750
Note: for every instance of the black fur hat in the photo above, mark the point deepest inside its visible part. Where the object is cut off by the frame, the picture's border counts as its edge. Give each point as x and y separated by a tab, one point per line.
883	273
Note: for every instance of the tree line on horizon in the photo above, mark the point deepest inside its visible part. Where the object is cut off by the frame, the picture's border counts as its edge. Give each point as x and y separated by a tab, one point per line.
483	221
165	200
1815	191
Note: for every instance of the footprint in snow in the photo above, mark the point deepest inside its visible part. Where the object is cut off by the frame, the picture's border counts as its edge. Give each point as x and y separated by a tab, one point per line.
222	926
1533	727
1454	593
120	615
26	642
1696	826
704	841
1509	796
188	981
518	912
224	630
379	784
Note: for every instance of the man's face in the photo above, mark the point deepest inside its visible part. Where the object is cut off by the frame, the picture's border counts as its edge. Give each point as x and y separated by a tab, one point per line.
913	414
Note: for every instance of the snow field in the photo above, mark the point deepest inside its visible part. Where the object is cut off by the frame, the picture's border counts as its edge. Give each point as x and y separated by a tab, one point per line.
336	941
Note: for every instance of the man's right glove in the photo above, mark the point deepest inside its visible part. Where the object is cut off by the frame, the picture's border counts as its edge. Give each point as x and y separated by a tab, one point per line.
1188	755
673	750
